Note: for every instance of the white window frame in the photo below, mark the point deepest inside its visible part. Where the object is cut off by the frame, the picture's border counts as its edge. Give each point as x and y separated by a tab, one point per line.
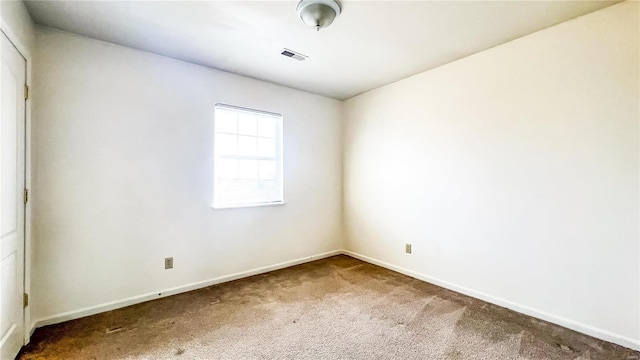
279	157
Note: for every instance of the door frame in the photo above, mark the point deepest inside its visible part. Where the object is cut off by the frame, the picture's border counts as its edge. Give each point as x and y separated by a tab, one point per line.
23	49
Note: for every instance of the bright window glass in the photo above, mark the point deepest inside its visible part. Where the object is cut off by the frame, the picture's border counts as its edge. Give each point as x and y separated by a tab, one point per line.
248	158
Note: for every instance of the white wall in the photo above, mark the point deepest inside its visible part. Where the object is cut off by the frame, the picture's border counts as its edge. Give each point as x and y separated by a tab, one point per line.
17	24
513	172
123	175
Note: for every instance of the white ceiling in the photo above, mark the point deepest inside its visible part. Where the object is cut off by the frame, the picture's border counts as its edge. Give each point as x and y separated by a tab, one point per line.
371	44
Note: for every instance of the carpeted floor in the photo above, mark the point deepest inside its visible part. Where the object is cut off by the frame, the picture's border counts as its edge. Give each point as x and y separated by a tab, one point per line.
336	308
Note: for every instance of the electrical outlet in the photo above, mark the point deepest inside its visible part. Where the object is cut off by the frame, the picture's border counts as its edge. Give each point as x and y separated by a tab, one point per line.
407	248
168	263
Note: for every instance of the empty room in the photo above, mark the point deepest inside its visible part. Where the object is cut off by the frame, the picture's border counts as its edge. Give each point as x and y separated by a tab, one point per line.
320	179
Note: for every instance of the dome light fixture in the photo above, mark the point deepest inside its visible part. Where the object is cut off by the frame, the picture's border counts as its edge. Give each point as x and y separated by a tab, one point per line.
318	14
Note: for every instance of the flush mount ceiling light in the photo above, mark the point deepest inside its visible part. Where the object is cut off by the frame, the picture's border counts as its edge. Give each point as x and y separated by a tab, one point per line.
318	13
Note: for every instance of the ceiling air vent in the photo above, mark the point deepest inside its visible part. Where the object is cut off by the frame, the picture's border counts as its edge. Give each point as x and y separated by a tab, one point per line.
292	54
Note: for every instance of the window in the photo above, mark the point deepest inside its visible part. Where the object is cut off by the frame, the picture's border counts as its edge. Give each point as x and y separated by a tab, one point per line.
247	158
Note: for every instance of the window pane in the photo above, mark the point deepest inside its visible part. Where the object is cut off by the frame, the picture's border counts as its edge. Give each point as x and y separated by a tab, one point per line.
226	121
248	169
266	147
267	127
241	138
267	169
226	169
247	145
247	124
226	144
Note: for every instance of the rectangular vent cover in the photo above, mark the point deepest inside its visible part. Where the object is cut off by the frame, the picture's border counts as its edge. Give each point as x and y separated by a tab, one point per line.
293	54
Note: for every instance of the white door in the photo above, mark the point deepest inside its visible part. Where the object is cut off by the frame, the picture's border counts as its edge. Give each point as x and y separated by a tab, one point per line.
12	152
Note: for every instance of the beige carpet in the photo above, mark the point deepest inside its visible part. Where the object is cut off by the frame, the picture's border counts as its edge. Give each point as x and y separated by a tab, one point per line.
336	308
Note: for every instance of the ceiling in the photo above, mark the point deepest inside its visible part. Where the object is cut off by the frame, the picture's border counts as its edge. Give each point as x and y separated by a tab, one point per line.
372	43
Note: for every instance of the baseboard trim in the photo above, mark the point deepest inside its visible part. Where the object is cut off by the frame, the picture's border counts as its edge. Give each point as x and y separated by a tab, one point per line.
570	324
92	310
558	320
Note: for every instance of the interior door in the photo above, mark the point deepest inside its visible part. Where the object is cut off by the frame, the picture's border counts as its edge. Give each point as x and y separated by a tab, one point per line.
12	150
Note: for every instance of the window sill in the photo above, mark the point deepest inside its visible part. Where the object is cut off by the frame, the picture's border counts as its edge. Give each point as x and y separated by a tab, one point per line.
222	207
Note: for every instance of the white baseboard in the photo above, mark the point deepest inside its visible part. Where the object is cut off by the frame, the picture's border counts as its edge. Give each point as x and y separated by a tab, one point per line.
567	323
92	310
570	324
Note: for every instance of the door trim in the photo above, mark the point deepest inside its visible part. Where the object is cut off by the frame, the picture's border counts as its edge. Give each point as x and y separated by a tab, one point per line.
23	50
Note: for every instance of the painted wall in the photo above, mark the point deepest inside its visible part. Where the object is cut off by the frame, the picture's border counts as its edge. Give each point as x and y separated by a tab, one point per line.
513	172
123	177
17	24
